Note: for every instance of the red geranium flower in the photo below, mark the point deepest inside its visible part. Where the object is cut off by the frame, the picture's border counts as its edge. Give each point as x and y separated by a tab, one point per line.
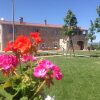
23	44
9	46
35	36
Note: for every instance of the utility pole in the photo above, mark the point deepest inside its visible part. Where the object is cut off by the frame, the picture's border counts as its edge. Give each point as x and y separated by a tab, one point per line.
13	26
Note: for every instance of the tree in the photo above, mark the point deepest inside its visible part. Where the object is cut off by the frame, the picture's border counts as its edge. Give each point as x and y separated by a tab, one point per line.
97	21
91	33
69	28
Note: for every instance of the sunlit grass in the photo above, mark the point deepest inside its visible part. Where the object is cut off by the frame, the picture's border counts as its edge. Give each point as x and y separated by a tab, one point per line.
81	79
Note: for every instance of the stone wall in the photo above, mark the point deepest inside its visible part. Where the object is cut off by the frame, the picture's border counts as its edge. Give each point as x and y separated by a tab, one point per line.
50	36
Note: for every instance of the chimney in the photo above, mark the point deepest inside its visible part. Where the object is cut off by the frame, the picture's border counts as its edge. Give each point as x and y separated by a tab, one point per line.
21	20
45	21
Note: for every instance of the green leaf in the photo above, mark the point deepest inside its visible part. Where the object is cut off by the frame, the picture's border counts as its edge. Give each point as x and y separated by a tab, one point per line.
18	95
7	84
1	86
2	97
10	90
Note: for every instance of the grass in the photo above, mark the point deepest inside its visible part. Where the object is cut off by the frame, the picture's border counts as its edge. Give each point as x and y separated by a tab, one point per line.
92	53
81	79
47	53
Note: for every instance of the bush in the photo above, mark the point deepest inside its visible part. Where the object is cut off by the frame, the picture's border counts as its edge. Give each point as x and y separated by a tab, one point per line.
96	46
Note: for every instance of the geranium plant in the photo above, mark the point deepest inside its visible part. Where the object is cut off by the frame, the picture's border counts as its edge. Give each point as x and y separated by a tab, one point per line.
26	74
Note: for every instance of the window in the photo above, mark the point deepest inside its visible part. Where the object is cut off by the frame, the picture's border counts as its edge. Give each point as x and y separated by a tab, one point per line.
11	30
43	45
55	44
35	30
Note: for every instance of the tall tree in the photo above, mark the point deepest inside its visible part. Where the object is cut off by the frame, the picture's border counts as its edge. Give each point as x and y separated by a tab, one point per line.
91	33
97	21
70	23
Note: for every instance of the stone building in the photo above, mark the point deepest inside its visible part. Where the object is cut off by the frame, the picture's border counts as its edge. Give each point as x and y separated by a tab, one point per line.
51	34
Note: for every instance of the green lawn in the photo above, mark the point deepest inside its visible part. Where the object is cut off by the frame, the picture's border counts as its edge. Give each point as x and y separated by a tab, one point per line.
91	53
81	79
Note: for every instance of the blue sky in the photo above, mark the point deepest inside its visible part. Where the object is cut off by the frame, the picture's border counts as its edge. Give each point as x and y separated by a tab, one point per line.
54	11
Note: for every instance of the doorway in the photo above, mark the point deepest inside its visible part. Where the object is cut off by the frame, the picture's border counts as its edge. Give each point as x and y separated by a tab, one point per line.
80	44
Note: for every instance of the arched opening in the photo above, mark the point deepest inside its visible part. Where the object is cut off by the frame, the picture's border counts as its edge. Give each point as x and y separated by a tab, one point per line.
80	44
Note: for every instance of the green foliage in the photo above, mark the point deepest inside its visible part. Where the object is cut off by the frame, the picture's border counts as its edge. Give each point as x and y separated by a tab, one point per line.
91	37
69	28
91	33
98	10
70	23
22	85
96	46
2	97
97	21
68	31
70	19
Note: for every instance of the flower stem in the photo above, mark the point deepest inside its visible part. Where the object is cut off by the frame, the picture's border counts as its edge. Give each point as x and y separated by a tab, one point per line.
20	66
40	87
15	73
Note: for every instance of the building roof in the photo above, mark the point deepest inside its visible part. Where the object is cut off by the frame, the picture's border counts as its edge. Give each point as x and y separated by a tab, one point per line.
34	24
30	24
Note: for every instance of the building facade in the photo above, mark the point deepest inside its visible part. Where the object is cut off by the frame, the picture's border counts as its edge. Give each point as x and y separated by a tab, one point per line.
51	34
